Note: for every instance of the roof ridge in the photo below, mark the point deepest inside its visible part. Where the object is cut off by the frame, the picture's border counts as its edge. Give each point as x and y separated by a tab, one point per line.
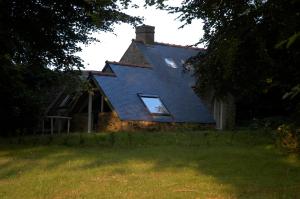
100	73
178	46
128	64
172	45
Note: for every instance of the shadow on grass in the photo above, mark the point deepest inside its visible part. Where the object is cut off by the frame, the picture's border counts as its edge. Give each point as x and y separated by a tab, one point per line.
246	162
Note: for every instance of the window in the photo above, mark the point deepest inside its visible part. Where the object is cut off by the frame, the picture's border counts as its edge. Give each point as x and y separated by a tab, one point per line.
170	62
154	105
66	101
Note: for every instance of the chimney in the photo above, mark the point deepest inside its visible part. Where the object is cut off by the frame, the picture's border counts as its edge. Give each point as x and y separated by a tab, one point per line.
145	34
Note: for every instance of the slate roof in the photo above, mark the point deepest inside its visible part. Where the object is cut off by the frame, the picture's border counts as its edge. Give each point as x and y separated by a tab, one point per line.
172	85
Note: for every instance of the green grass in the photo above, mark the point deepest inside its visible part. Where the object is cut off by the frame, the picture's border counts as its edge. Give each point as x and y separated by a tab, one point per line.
148	165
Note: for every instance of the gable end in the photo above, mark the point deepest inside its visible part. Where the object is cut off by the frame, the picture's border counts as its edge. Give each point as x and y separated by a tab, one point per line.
133	56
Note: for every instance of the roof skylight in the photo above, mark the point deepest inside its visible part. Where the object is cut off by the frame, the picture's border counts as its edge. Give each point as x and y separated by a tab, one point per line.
154	105
170	62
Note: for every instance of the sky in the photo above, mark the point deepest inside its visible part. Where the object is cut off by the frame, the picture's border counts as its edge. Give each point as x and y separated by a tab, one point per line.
112	45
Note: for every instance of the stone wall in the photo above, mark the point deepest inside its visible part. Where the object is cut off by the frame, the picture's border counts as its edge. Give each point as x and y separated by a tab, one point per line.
133	56
111	122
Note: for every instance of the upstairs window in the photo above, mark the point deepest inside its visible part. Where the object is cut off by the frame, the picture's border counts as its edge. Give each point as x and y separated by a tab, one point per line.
154	105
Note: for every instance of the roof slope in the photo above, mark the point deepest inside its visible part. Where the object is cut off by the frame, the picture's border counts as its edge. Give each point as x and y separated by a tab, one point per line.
172	85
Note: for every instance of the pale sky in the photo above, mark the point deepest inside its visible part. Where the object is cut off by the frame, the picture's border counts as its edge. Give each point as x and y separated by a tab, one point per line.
113	45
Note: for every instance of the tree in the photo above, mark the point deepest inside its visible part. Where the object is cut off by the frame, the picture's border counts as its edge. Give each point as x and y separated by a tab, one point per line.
252	51
36	36
47	32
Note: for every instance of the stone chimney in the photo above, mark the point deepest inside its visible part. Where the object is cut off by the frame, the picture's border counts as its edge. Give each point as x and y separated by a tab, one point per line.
145	34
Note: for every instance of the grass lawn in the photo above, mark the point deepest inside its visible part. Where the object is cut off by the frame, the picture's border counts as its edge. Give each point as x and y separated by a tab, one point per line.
148	165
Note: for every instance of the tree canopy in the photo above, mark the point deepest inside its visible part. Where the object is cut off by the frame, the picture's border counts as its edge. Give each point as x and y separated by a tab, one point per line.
47	32
37	35
252	51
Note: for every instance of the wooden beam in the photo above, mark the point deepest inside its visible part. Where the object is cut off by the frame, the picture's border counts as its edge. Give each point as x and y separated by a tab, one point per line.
68	126
58	116
102	103
221	116
102	93
90	106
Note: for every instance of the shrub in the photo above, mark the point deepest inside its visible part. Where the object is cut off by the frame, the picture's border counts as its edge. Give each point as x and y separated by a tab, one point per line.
289	137
267	123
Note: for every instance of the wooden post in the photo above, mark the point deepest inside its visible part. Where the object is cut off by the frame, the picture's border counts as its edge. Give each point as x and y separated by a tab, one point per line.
102	103
221	116
90	113
68	126
51	126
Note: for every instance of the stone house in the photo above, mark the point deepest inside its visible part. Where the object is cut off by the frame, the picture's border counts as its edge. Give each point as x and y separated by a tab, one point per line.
150	86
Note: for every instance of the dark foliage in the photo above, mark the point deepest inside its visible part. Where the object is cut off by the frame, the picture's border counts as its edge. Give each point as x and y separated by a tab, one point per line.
252	53
289	137
37	35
